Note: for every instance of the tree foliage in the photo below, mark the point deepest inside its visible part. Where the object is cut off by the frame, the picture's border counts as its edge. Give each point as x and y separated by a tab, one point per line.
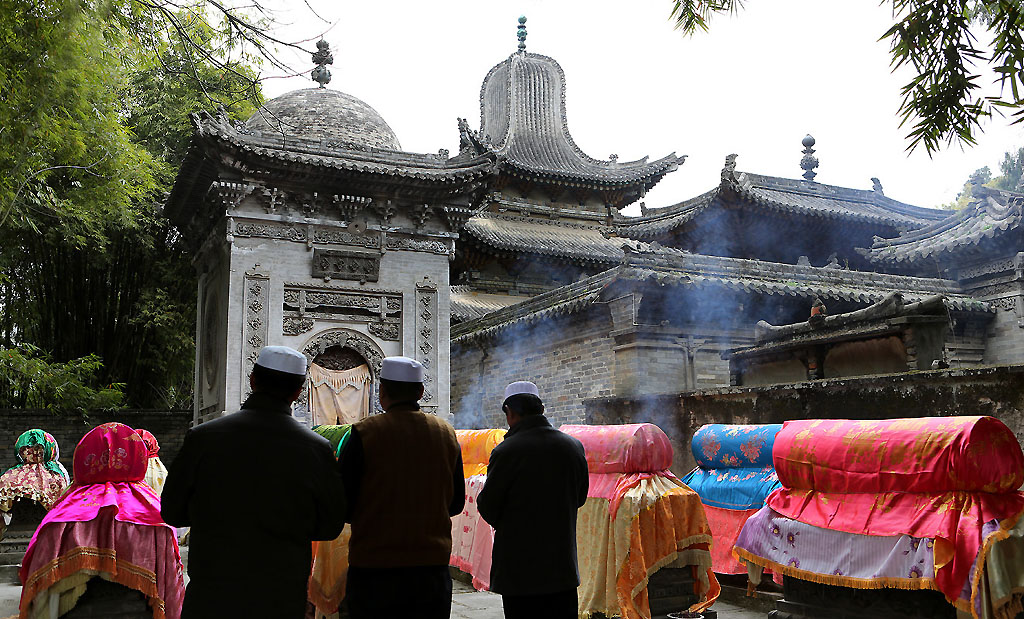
944	102
96	100
30	379
1011	173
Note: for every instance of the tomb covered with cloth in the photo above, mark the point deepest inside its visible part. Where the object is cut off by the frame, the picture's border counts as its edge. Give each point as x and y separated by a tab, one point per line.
472	537
639	523
913	504
733	477
106	526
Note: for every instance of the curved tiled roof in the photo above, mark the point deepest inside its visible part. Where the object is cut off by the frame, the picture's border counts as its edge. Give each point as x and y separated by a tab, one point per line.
321	113
993	214
467	304
578	242
523	121
671	267
783	195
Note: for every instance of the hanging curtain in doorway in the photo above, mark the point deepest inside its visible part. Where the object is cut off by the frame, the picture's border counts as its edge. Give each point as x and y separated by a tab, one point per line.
338	397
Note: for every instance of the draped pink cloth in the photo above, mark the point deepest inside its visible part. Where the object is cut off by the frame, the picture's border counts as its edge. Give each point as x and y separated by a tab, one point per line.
935	477
621	456
109	522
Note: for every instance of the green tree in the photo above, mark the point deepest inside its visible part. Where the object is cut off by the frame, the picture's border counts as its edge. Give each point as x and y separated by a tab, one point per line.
89	267
1011	170
943	102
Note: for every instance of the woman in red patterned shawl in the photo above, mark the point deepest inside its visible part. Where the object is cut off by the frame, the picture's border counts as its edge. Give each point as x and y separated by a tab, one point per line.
108	524
38	476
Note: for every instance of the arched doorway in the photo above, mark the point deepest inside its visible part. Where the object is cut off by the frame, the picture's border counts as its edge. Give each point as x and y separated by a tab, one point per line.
344	366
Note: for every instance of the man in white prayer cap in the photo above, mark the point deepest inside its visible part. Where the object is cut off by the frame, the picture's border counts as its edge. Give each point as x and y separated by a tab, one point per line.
536	481
252	481
403	475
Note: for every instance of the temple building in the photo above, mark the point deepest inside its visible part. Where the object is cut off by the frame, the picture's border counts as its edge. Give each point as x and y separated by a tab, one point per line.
512	260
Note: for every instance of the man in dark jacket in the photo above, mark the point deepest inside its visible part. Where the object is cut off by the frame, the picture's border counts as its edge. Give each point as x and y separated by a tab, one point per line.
256	487
536	480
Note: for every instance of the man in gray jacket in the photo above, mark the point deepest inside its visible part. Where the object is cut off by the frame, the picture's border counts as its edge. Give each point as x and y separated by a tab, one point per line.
536	481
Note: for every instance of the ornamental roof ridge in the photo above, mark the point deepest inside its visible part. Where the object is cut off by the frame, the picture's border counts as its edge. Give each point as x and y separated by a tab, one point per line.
523	120
219	126
992	213
561	223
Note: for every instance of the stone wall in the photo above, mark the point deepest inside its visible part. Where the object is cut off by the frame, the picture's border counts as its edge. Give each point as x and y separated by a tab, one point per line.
168	427
996	391
571	358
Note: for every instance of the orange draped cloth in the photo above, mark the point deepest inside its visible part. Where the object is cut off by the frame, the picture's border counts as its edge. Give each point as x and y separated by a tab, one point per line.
638	519
476	449
937	477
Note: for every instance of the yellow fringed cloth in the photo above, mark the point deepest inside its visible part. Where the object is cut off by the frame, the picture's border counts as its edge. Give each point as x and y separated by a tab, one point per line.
330	573
477	446
339	397
636	522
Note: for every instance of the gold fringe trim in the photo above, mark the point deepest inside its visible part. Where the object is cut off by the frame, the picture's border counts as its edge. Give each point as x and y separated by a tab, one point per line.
1012	608
914	584
979	571
103	560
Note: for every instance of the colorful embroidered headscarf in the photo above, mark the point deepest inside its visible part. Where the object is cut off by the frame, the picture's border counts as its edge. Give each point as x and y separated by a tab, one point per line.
151	443
36	446
626	448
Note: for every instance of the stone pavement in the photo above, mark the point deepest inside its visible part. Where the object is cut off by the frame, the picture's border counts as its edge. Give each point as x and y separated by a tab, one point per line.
466	604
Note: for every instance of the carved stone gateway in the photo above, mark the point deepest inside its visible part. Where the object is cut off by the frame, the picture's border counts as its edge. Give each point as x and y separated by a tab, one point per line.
351	240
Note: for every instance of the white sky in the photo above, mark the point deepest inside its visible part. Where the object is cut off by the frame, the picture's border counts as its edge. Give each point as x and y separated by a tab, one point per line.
754	85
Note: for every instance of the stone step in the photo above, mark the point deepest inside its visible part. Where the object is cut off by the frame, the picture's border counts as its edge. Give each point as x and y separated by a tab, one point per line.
9	574
11	558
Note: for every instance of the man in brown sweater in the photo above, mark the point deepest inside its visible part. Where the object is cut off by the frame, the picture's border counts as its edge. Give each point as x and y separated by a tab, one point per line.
403	480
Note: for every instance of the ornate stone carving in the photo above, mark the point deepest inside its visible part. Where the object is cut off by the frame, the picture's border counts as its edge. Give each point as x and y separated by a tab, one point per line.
431	246
211	319
808	162
341	237
296	326
350	265
270	231
426	339
344	304
987	269
256	291
385	330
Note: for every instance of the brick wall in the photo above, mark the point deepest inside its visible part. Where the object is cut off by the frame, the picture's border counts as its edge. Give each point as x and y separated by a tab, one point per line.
995	391
570	358
167	426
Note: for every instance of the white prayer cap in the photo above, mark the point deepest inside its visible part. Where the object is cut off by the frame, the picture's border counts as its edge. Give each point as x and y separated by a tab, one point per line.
402	369
282	359
521	386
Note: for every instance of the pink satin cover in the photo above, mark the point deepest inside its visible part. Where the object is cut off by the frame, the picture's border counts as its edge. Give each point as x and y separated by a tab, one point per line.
627	448
109	464
940	477
620	457
151	443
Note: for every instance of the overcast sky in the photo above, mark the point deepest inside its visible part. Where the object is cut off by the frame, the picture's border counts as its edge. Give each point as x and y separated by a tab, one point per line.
754	85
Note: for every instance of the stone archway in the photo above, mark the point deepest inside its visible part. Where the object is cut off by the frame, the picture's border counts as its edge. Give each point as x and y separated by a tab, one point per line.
341	338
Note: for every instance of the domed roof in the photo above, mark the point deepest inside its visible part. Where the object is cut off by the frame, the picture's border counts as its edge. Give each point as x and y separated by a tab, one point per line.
319	113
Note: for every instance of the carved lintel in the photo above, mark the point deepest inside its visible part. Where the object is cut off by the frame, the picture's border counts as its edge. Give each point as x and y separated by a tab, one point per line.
342	264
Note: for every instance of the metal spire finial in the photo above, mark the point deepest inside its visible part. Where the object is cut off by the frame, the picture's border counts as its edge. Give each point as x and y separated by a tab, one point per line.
808	162
521	33
321	58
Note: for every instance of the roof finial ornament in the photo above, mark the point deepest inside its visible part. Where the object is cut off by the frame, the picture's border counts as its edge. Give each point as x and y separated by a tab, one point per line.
808	162
521	33
321	58
876	185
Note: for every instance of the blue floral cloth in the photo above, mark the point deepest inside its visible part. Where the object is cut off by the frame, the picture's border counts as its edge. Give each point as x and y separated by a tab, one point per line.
734	465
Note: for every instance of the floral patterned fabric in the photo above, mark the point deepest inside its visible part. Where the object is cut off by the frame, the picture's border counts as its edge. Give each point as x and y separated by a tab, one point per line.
472	537
335	434
734	465
39	476
108	523
329	575
477	446
942	478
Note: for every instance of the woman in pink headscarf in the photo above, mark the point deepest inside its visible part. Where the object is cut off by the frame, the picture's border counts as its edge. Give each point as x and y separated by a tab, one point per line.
108	524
